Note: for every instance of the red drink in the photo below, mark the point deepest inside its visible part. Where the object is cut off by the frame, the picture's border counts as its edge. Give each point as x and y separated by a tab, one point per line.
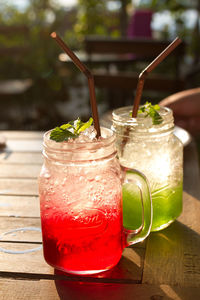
82	221
80	188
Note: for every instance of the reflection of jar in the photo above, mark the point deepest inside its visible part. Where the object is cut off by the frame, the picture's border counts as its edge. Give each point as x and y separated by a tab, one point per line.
158	153
80	188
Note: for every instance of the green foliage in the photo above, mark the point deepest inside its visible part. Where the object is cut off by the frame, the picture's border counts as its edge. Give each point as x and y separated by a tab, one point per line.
160	5
52	78
39	62
70	130
41	53
90	17
93	19
151	110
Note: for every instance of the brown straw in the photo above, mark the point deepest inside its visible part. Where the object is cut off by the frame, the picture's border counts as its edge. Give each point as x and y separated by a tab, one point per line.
148	69
89	76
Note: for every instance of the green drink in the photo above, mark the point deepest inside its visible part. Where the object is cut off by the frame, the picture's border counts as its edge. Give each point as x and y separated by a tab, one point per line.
154	150
167	205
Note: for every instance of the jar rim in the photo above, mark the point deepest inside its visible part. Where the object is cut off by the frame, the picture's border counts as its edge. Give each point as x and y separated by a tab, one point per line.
122	112
104	142
121	117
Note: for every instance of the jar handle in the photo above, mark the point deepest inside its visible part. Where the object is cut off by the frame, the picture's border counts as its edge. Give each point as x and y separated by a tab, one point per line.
135	185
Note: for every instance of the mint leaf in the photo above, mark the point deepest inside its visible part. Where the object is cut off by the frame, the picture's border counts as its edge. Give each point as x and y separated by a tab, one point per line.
65	126
156	118
156	107
70	130
77	124
151	110
85	125
59	135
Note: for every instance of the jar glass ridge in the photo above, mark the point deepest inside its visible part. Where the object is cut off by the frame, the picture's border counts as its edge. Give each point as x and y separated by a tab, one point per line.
80	189
82	151
80	197
158	153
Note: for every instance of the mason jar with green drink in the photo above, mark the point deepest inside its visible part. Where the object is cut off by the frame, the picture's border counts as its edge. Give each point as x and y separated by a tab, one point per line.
148	143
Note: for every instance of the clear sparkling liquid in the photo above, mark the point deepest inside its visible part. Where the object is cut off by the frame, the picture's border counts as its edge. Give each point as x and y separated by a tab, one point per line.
161	162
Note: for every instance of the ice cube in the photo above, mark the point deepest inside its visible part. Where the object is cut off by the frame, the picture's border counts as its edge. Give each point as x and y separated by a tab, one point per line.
85	136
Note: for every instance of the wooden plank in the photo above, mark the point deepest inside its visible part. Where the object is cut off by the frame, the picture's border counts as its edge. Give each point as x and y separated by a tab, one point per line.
24	141
10	230
14	29
129	80
32	262
20	171
99	291
26	187
19	206
60	289
172	255
191	170
10	134
143	47
28	289
24	145
10	157
18	51
191	212
128	269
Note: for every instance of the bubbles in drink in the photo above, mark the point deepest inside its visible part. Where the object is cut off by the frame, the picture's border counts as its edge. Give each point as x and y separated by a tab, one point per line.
83	218
81	203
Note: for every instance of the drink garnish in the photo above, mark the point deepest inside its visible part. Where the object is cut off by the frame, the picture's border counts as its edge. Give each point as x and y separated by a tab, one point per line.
151	110
70	130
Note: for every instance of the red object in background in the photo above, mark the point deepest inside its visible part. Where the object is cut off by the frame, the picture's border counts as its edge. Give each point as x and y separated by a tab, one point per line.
140	24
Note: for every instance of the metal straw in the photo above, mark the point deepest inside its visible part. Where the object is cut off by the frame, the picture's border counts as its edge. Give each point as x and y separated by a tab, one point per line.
148	69
89	76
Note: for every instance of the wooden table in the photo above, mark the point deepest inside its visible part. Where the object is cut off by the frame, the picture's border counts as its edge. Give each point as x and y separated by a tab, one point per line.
165	266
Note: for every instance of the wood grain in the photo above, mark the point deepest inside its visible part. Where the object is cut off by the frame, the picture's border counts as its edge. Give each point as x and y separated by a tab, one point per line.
98	291
165	266
20	171
129	269
13	186
172	257
23	145
28	263
66	290
191	170
19	206
11	134
10	157
28	289
9	224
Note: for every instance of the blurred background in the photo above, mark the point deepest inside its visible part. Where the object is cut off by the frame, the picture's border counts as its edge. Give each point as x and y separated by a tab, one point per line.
39	86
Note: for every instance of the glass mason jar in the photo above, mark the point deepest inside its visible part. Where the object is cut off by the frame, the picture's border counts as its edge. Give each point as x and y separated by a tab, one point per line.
80	189
158	153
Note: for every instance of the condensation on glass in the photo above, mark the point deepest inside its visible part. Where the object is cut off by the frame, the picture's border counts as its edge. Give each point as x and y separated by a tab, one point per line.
158	153
80	189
